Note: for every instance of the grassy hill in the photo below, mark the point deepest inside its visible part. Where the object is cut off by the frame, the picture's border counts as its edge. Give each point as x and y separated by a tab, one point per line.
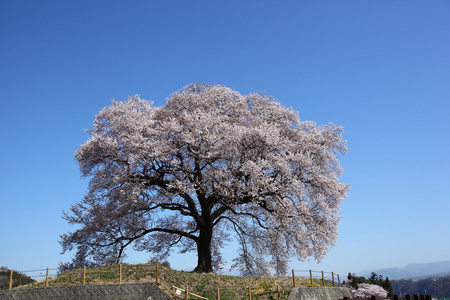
206	285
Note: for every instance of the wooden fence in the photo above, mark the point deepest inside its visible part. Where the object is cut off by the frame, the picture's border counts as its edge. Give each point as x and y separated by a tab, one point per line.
326	278
117	273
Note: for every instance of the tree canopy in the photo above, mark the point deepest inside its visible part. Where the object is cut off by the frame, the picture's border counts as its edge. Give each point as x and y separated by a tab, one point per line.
209	167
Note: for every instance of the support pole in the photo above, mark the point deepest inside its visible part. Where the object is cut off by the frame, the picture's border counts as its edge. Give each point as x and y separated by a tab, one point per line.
293	278
249	294
157	274
187	293
323	280
46	279
310	277
332	275
84	275
278	292
10	278
120	274
218	293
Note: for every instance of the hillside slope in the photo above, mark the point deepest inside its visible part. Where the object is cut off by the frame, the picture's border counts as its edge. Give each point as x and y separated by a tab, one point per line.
231	287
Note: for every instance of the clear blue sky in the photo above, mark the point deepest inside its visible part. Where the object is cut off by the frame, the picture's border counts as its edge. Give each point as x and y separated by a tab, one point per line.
379	68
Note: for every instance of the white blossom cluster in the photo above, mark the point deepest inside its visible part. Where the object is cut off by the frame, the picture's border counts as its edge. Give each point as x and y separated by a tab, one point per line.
209	163
366	290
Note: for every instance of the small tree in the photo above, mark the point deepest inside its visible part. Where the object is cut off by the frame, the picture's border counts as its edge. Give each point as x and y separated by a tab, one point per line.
354	281
208	163
375	278
386	284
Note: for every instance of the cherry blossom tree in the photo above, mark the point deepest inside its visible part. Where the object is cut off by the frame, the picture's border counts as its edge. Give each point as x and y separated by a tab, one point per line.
209	167
366	290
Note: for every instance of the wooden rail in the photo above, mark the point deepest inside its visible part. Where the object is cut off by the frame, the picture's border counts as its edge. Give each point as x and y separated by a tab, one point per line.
184	291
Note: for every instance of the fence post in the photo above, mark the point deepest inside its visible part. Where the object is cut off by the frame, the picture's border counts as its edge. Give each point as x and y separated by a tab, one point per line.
157	274
323	280
46	279
278	292
310	277
187	293
249	294
10	278
84	275
293	278
120	274
332	275
339	280
218	293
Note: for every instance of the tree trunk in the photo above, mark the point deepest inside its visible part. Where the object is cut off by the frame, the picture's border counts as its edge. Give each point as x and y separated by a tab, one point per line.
204	263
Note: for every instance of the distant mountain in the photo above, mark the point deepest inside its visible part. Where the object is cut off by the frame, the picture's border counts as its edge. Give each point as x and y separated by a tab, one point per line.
413	271
446	274
436	287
